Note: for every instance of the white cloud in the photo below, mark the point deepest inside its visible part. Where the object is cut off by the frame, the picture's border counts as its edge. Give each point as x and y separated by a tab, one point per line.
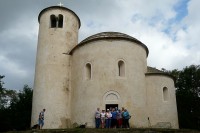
143	20
17	53
172	43
12	67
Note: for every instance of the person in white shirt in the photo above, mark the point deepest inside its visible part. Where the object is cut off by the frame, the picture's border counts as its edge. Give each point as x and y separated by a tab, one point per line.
108	118
103	116
98	118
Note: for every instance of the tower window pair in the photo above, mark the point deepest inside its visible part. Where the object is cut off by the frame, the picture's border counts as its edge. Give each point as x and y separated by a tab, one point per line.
56	21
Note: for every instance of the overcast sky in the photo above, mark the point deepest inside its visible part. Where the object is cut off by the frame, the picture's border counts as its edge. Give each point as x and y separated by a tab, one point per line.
169	28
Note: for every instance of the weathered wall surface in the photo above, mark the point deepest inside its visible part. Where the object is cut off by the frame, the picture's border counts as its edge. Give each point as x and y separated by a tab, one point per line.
105	86
52	89
162	112
62	87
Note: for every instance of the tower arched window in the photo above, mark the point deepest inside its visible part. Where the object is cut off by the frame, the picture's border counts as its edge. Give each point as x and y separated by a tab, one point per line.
60	21
88	71
121	68
165	94
53	21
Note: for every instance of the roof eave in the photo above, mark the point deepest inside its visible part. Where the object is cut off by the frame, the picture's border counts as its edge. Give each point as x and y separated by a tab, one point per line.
106	38
162	74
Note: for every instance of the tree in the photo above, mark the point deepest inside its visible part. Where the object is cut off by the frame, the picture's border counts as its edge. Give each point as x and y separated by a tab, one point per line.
15	108
21	109
188	96
1	82
2	93
5	95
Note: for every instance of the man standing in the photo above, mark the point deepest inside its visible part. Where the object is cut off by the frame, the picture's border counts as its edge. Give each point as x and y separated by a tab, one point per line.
97	118
41	119
126	118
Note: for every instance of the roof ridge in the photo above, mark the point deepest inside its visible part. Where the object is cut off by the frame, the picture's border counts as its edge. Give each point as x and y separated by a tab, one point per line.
110	35
153	70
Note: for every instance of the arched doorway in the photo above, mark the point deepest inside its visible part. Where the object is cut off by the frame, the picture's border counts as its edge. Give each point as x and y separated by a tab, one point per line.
108	106
112	99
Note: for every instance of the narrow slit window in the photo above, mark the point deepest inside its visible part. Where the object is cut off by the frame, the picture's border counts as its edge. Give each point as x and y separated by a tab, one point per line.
121	69
88	71
53	21
60	21
165	94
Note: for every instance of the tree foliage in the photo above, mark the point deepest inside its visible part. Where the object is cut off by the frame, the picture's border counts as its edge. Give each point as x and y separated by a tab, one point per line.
188	96
2	93
15	108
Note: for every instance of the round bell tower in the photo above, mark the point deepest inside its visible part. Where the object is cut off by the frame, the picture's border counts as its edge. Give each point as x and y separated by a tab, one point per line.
58	34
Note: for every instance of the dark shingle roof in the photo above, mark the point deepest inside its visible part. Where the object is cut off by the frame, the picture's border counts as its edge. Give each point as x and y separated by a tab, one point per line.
110	35
154	71
104	35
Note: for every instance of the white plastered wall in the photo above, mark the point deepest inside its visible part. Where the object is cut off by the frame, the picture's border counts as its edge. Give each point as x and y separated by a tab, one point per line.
128	91
162	113
52	89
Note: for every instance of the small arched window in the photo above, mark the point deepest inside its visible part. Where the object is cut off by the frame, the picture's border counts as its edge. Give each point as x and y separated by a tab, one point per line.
53	21
88	72
60	21
121	68
165	94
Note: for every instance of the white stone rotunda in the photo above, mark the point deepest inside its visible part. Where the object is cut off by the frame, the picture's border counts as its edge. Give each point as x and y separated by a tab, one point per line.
108	69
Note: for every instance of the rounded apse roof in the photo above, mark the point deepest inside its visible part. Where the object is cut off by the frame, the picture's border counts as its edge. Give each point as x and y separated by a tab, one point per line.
110	35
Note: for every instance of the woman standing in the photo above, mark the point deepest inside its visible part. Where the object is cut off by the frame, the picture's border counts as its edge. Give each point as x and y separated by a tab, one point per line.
103	115
108	118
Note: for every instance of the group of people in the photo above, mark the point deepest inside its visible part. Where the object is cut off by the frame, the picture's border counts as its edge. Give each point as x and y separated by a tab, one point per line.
112	118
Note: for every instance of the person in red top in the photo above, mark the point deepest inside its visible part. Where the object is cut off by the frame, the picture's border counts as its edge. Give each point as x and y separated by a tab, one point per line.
119	119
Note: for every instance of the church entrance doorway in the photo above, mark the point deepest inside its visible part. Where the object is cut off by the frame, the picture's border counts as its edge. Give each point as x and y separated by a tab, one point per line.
108	106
